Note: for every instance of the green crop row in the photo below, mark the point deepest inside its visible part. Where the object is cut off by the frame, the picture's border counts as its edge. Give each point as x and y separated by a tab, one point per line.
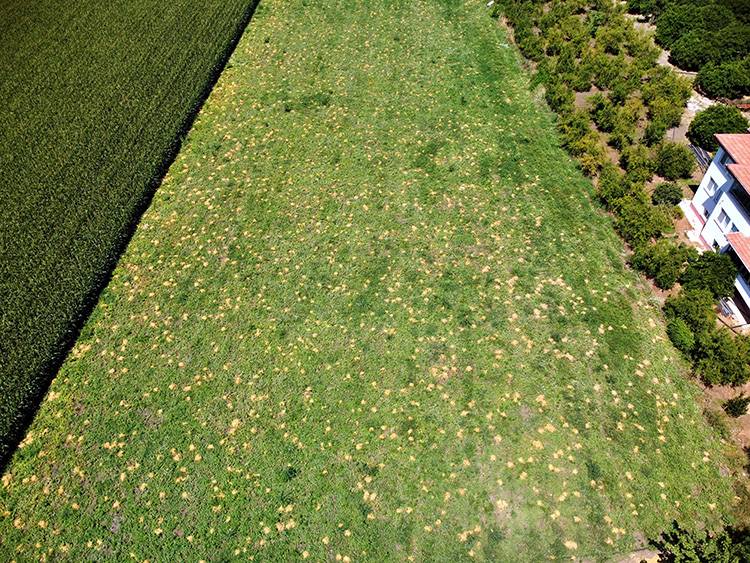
96	96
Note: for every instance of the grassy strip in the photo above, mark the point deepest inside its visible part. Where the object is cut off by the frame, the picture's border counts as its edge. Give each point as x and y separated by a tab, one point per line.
371	314
95	99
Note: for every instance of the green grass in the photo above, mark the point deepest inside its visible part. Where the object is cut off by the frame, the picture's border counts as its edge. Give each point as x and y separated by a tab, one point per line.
371	313
94	98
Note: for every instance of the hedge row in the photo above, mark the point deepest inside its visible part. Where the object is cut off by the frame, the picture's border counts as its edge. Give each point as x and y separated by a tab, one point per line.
712	38
730	545
95	102
590	46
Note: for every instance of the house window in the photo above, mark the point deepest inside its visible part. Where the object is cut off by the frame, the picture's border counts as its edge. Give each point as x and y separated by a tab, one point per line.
734	228
725	158
711	187
723	219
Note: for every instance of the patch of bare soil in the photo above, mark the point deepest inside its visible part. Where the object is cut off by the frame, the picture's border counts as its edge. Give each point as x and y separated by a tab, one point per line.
739	428
647	555
582	98
682	226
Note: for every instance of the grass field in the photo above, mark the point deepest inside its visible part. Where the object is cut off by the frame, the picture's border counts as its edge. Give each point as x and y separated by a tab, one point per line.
371	314
95	96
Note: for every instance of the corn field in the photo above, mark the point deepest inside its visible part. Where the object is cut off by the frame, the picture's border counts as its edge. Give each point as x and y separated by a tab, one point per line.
96	96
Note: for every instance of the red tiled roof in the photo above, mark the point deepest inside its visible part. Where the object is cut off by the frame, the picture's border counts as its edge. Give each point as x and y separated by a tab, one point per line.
741	245
737	145
742	173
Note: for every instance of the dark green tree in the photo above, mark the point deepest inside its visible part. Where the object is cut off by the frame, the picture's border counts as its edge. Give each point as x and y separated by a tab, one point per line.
722	358
674	22
681	336
679	545
674	161
667	193
664	261
693	50
638	162
730	80
736	406
718	118
695	307
712	272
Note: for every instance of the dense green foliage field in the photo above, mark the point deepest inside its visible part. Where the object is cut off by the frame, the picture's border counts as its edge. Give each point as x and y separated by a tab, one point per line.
94	98
711	37
371	314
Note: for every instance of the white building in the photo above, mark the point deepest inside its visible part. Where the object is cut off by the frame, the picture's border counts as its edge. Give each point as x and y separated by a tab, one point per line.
719	213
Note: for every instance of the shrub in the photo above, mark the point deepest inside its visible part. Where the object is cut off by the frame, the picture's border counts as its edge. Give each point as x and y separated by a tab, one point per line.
637	162
566	61
643	51
654	133
529	44
559	96
736	406
622	135
695	307
603	112
583	78
666	84
591	155
674	161
715	119
729	80
664	261
624	125
623	86
711	272
722	359
665	110
581	141
555	40
573	127
681	336
611	185
607	69
667	193
639	222
611	38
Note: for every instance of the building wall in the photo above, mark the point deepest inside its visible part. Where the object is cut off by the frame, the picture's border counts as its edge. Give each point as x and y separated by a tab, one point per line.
703	200
711	205
744	293
714	232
